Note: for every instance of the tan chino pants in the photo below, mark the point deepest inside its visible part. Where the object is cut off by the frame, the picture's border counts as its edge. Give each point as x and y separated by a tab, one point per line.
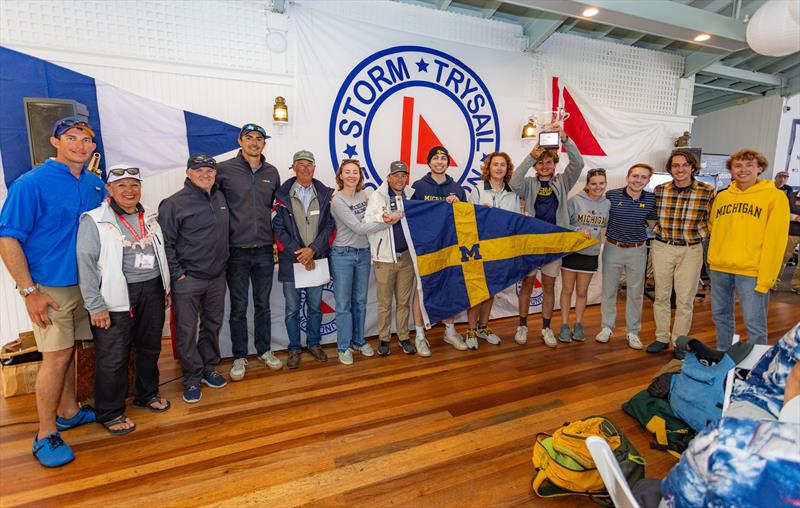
675	267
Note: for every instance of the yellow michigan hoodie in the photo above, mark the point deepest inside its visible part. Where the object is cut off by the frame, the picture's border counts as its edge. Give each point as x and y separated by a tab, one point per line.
749	231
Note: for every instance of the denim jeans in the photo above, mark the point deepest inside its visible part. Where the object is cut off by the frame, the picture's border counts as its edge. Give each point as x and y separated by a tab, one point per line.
291	296
724	289
350	270
244	266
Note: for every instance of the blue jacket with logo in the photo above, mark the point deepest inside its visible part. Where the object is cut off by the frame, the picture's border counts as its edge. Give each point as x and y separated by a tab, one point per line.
287	235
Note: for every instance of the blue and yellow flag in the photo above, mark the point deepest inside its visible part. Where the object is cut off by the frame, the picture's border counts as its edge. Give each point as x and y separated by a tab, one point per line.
465	254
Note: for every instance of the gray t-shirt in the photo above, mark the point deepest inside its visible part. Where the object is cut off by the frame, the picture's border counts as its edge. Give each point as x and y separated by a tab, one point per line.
351	231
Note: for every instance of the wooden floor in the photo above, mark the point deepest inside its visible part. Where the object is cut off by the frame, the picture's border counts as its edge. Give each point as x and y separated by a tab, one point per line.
455	429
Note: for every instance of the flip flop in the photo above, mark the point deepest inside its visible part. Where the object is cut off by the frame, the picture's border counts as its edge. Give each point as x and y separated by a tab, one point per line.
150	407
117	421
84	415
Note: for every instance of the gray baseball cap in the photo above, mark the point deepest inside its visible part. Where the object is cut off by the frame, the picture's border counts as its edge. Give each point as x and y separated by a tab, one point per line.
398	167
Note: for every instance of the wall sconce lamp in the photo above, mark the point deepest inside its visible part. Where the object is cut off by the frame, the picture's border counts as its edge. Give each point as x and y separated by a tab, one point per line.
280	111
529	130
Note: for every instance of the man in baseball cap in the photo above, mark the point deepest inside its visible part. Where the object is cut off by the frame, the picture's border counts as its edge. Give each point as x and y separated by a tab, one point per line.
304	229
394	271
249	183
195	225
38	233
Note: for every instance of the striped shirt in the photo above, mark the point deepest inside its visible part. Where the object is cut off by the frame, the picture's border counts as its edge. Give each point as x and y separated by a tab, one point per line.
683	212
627	218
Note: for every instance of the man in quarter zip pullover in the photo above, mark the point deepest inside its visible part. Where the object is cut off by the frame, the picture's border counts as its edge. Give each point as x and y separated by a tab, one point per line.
304	230
249	183
194	221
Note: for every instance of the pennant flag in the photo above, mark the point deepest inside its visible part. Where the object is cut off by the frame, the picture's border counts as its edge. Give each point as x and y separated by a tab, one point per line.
128	128
465	254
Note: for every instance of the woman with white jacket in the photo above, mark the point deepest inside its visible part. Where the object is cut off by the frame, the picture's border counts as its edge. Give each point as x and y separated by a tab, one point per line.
124	279
493	190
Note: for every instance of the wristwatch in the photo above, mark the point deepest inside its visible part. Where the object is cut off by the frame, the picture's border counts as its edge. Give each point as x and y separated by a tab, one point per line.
28	290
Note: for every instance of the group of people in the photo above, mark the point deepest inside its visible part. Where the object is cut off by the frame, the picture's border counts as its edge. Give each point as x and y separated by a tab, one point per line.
91	261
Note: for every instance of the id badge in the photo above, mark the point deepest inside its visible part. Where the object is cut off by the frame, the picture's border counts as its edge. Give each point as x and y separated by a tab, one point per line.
144	261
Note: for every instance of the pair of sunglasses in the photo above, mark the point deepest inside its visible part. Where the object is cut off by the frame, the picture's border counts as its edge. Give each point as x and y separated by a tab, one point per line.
122	171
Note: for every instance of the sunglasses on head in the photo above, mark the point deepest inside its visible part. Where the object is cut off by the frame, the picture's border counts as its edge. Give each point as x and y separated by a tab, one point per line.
251	127
122	171
350	161
597	171
68	123
197	161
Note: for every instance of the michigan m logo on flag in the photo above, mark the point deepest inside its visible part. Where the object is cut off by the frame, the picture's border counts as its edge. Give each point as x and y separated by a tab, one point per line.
473	253
465	254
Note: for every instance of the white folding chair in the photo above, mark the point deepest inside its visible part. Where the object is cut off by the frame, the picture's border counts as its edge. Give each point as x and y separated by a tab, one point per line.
747	363
609	470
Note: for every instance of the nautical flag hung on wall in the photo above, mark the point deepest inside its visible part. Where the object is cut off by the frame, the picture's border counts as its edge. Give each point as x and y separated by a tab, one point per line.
129	128
465	254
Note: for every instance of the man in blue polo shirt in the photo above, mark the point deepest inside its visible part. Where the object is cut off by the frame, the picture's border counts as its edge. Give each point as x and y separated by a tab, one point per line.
38	231
632	209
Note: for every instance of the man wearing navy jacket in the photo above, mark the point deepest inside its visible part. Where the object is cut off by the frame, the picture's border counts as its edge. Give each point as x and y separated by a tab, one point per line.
304	229
437	186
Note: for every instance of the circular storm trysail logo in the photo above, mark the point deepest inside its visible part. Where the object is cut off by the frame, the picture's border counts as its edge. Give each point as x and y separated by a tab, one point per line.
400	102
327	307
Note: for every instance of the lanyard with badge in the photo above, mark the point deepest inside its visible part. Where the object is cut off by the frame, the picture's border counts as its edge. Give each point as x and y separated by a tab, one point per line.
141	261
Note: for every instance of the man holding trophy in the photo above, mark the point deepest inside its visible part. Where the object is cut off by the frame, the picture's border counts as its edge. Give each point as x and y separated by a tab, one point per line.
391	261
545	196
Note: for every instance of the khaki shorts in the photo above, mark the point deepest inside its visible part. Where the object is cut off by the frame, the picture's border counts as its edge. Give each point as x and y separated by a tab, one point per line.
551	269
70	323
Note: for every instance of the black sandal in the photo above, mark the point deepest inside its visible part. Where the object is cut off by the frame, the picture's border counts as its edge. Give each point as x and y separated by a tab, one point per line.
149	405
119	420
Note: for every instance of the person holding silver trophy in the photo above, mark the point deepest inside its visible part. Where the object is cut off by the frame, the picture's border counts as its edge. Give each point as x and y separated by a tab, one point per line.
545	196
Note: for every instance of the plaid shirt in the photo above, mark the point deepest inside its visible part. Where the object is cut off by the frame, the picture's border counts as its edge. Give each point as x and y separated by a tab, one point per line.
683	215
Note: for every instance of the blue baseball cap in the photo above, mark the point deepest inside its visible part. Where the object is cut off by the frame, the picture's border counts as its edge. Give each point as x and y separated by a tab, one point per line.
68	122
251	127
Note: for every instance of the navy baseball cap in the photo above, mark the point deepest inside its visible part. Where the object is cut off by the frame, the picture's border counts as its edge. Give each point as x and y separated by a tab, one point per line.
68	122
201	160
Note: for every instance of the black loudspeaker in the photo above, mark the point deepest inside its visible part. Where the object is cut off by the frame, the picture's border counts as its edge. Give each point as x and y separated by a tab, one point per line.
40	115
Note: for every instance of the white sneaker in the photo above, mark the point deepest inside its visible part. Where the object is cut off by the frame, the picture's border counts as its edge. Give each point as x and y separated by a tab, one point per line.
472	340
604	335
423	348
633	341
488	335
455	339
346	357
365	350
549	337
521	336
238	369
272	361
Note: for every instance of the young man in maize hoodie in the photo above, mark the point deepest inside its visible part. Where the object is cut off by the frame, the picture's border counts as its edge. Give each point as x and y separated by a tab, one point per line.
749	223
